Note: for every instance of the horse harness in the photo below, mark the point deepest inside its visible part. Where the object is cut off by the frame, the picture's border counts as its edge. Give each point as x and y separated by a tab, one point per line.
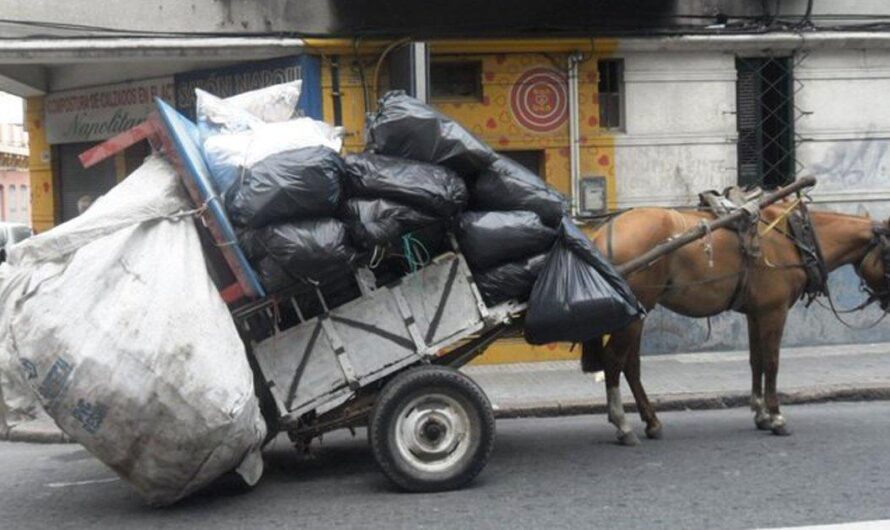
801	234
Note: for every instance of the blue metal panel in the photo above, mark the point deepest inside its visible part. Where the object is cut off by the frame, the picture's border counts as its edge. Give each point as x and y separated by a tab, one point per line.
310	96
185	137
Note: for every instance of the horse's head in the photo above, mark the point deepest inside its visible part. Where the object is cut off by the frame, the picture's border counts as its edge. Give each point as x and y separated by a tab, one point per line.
874	269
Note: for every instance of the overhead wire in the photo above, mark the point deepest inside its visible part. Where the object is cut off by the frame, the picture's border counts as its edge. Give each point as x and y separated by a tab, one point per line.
653	25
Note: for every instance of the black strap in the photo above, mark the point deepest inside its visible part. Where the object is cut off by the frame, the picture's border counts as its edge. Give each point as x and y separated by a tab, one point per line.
804	238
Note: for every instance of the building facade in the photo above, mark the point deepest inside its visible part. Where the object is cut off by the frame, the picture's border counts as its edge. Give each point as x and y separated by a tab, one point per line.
15	185
667	107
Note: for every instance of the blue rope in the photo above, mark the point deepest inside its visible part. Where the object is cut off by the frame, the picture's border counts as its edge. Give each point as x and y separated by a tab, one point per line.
416	254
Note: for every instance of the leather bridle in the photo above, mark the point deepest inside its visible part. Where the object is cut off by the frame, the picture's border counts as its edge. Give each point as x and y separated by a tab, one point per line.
880	241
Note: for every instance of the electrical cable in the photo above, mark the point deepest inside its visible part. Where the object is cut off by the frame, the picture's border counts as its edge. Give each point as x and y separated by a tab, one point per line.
391	47
361	74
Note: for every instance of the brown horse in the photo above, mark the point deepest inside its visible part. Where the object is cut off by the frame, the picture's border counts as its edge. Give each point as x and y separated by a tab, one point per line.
689	283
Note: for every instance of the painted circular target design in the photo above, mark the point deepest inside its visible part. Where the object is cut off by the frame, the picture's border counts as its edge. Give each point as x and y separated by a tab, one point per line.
539	100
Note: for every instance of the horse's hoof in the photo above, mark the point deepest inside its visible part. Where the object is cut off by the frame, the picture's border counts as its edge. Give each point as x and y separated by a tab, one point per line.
654	432
781	430
764	423
628	438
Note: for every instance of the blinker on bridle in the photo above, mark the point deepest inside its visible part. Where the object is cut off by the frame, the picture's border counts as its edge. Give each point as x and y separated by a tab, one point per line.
880	240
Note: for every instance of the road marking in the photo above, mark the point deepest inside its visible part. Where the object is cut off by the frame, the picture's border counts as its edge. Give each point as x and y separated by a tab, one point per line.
861	525
82	482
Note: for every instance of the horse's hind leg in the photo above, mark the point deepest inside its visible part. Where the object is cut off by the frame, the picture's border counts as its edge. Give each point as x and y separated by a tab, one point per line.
758	405
632	374
615	356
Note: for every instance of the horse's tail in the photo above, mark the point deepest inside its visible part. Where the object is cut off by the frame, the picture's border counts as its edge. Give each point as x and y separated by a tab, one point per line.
593	355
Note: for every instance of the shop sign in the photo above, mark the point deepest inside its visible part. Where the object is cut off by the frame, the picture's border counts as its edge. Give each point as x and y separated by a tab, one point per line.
235	79
98	113
539	99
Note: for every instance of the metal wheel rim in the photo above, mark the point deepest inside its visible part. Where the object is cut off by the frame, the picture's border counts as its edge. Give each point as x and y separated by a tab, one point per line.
424	417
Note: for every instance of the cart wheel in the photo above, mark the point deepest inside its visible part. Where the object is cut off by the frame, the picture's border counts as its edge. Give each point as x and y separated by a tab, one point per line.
432	429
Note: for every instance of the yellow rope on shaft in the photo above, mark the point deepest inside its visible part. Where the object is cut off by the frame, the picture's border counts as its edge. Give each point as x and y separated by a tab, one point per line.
770	227
778	219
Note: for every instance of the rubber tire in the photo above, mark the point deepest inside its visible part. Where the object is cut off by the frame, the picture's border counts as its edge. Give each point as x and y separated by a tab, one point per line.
406	387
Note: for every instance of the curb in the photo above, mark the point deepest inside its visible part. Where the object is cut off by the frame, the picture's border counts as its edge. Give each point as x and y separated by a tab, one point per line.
694	401
39	434
48	434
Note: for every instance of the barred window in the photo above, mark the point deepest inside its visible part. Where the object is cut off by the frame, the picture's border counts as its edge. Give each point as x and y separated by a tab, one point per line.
455	80
765	121
611	93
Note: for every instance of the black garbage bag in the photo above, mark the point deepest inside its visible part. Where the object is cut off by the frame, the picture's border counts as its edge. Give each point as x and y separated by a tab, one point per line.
488	239
507	185
295	184
511	281
428	187
578	295
406	127
374	222
291	252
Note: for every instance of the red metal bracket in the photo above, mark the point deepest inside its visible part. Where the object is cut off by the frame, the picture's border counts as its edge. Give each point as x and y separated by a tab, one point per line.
145	130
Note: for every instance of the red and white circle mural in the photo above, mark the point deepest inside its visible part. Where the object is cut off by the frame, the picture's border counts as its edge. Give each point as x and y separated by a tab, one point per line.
539	100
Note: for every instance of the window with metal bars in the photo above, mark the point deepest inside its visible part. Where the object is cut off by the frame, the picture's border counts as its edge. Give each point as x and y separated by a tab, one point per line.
455	80
611	93
765	121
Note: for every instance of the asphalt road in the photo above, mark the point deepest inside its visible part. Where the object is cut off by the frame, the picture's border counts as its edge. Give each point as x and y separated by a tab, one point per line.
712	470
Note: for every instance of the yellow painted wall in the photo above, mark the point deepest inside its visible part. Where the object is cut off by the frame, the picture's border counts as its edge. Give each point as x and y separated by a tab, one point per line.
491	119
43	200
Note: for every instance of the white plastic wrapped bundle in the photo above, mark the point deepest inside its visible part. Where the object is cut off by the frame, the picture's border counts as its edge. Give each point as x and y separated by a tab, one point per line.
235	138
271	104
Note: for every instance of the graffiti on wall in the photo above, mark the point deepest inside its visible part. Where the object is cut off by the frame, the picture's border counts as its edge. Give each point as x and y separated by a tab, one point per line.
854	163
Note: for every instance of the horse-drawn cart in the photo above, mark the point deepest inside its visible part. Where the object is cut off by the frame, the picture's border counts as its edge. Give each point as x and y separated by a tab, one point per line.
376	360
386	358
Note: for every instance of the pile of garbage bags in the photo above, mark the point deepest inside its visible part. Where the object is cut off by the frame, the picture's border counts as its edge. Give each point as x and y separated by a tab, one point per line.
517	237
304	213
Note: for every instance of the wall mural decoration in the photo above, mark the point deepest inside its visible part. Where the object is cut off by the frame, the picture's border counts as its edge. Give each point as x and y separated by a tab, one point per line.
539	99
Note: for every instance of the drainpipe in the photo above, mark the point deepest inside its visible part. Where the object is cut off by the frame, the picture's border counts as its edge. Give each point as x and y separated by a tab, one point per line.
575	133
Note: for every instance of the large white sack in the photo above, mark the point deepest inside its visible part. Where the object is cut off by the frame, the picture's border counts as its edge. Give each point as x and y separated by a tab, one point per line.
130	348
151	192
18	404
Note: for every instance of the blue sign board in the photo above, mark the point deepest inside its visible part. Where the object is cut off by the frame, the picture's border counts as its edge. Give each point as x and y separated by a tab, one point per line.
235	79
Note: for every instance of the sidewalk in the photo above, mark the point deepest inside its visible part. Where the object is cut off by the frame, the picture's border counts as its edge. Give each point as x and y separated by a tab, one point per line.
673	382
690	381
